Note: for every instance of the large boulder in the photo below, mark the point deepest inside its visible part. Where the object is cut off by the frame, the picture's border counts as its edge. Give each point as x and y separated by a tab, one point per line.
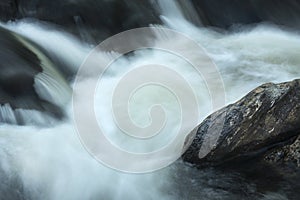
265	119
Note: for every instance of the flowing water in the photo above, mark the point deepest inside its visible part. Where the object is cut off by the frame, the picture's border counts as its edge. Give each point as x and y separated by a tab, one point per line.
38	162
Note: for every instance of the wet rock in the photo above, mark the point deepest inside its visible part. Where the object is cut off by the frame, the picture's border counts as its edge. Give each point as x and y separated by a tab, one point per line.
266	118
8	9
225	13
287	154
95	20
92	20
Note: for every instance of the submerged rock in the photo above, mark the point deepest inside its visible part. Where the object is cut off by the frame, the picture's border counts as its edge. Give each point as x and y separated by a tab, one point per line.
265	119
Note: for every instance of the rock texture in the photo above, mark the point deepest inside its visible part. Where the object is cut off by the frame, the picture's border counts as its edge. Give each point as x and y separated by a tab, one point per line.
287	154
225	13
266	118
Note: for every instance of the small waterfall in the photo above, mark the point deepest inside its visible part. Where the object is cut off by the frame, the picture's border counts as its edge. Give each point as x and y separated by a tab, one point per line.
174	11
84	35
61	46
8	115
171	9
34	117
50	84
48	87
179	15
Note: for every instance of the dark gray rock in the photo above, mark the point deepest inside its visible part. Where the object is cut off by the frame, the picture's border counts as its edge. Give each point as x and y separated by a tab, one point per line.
225	13
8	9
287	154
266	118
95	20
92	20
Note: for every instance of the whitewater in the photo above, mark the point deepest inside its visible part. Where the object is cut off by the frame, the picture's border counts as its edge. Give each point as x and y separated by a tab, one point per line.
38	161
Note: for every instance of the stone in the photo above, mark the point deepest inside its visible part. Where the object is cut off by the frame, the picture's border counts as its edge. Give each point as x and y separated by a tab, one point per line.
266	118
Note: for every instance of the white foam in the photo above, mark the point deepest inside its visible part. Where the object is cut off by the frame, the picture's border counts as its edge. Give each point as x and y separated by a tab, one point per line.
51	162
